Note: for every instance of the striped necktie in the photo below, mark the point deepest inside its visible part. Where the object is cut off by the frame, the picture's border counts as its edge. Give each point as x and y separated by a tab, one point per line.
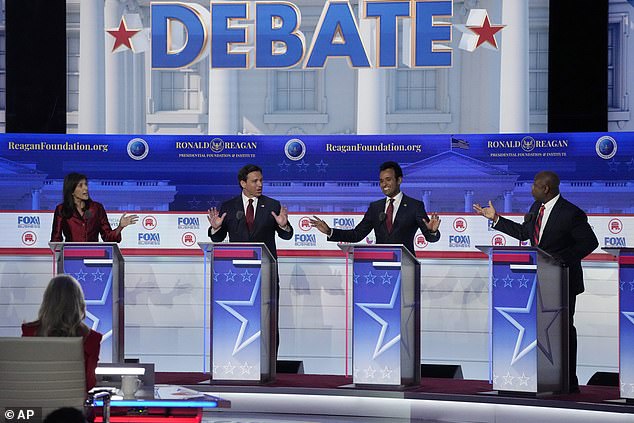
538	226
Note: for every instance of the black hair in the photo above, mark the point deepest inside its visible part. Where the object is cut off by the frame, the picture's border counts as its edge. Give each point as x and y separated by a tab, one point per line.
70	183
398	172
245	170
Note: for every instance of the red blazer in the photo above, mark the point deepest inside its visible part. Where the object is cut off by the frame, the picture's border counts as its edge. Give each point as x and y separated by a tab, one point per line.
86	228
92	344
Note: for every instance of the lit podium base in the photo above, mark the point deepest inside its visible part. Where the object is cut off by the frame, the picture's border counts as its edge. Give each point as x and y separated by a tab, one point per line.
99	269
243	312
385	317
529	321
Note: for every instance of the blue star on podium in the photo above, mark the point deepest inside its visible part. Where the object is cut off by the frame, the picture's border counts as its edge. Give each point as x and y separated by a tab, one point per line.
244	322
505	311
629	315
380	346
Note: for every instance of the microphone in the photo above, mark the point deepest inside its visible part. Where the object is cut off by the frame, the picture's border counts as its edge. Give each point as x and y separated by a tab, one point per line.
382	217
87	214
239	215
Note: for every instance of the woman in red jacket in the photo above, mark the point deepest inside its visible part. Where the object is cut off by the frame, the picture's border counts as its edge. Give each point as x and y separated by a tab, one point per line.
62	313
79	219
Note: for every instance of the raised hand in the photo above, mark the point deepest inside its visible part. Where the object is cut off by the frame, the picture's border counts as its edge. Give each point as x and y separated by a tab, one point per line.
214	218
282	218
128	219
434	223
320	225
488	212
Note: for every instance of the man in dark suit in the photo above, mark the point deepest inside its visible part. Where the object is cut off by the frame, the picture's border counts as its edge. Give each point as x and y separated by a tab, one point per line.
395	218
561	229
251	217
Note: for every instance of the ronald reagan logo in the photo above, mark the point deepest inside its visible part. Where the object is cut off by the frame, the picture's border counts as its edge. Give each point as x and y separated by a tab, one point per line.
606	147
188	239
528	147
149	223
29	238
28	222
138	149
615	226
216	148
188	223
304	224
420	241
459	224
295	149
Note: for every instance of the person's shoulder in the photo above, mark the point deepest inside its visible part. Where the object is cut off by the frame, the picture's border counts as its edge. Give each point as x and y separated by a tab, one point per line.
93	337
268	201
411	200
30	328
573	208
231	203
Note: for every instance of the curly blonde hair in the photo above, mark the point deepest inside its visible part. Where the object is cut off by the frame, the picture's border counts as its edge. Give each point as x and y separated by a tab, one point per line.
63	308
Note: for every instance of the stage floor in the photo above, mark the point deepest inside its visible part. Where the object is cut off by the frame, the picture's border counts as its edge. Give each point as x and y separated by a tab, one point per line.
321	398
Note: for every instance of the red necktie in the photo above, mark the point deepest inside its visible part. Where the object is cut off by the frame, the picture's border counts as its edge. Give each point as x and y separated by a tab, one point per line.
249	215
389	214
538	226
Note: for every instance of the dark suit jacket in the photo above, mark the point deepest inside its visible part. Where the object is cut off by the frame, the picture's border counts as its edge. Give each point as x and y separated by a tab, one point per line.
567	236
265	226
408	219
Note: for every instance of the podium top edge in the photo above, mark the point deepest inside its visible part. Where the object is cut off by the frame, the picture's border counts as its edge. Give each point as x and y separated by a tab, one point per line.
616	252
349	248
209	246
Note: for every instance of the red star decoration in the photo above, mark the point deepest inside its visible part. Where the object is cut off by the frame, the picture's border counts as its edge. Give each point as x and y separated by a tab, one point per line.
122	35
486	32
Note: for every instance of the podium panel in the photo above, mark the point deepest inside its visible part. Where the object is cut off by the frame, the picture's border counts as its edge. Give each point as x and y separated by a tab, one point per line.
625	257
99	269
243	312
529	321
386	316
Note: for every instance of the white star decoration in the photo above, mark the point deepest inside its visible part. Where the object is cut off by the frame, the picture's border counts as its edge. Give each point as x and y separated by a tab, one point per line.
81	275
369	278
380	347
508	281
387	279
240	344
523	281
504	311
230	276
246	276
98	275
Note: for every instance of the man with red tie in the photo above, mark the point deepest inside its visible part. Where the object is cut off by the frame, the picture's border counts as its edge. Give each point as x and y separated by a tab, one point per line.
562	230
395	218
251	216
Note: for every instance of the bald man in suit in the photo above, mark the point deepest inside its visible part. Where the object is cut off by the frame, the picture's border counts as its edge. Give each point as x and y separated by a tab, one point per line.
563	232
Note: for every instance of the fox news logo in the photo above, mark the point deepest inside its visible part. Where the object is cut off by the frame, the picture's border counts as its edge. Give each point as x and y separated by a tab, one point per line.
614	241
188	223
149	239
459	241
305	240
343	222
28	221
